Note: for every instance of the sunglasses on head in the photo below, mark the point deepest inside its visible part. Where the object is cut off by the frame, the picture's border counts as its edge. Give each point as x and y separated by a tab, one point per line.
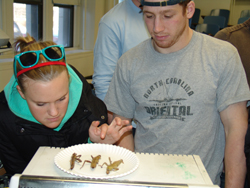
29	59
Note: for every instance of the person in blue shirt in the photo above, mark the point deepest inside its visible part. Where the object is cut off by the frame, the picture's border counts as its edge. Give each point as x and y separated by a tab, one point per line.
120	29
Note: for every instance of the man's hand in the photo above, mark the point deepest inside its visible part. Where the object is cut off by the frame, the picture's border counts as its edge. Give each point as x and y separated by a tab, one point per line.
109	134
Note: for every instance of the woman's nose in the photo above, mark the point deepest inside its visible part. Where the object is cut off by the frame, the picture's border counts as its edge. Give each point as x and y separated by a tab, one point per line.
53	110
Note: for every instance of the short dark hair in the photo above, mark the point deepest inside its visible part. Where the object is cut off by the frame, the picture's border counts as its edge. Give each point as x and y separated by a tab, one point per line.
184	5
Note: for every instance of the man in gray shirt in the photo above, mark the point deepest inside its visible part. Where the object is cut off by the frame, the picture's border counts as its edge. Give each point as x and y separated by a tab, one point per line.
187	91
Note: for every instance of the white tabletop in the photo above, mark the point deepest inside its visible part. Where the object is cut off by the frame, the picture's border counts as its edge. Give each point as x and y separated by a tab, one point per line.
158	168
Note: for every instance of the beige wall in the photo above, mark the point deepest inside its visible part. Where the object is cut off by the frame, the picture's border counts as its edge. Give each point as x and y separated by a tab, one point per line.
6	71
235	7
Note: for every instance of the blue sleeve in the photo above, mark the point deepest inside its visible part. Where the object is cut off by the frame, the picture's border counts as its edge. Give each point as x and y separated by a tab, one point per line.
107	51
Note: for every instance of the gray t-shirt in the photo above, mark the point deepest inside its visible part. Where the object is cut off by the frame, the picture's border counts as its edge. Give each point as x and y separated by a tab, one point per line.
177	98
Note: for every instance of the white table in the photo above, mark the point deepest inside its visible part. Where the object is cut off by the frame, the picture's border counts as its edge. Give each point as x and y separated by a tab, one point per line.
155	168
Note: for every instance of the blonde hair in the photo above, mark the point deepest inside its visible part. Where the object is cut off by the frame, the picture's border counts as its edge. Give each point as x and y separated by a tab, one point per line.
45	73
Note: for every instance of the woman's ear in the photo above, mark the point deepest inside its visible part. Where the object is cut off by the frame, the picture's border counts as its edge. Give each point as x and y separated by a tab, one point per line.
190	9
20	92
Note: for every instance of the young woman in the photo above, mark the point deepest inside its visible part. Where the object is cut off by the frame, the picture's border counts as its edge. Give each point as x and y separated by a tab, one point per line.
48	103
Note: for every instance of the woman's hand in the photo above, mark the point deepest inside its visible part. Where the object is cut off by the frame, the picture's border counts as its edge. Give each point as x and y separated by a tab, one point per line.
108	134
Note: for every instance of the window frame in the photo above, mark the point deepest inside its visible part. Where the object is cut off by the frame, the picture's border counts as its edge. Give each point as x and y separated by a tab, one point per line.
6	23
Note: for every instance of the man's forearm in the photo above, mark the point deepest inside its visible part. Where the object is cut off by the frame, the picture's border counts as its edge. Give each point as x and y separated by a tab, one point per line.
127	141
235	166
235	121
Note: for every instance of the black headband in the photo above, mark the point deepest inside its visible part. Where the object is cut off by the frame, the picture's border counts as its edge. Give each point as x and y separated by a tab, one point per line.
161	3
